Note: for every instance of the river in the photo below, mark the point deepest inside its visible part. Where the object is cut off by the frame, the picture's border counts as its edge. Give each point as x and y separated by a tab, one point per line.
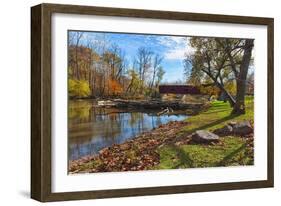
91	129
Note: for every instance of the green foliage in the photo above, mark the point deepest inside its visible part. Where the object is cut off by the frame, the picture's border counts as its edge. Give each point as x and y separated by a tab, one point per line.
160	74
135	84
78	88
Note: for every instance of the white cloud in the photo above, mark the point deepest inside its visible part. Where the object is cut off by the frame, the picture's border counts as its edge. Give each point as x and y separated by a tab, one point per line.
177	53
176	46
170	41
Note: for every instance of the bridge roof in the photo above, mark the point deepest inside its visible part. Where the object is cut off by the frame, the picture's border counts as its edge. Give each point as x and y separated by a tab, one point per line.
178	89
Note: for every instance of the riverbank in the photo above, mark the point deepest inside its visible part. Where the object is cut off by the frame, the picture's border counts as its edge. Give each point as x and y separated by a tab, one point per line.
169	146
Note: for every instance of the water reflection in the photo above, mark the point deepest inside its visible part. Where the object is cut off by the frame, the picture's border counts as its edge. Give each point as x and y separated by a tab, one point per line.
90	129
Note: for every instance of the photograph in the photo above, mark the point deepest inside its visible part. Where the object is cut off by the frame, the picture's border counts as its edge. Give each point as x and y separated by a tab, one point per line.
158	102
132	102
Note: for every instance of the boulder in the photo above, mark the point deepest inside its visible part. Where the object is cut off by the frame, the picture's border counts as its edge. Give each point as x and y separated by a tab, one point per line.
242	128
205	137
224	131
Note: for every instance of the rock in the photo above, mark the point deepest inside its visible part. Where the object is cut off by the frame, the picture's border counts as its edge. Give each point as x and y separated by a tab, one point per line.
232	123
202	136
224	131
242	128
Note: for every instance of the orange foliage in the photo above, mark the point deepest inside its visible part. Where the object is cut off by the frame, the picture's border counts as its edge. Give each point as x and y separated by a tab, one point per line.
114	87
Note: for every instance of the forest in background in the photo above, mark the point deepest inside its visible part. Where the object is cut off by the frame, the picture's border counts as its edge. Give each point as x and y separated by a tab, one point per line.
100	70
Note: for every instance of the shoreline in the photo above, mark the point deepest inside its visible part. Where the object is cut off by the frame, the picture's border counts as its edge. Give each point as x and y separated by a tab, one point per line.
143	144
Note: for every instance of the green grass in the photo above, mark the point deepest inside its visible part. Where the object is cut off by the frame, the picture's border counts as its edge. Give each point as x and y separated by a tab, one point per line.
218	115
229	152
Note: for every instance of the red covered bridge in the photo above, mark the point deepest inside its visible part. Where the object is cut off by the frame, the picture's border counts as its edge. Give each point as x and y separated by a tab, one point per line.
178	89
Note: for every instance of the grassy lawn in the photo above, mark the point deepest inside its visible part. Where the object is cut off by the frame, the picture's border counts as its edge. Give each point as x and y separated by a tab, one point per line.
218	115
229	152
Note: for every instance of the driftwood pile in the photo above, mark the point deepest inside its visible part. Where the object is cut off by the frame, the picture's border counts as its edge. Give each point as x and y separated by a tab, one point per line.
168	106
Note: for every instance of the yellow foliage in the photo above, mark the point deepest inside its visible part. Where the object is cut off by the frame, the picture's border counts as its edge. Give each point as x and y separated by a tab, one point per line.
231	87
210	90
213	90
78	88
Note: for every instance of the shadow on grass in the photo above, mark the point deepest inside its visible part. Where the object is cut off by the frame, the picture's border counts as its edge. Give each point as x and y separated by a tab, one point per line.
184	159
216	111
228	157
219	121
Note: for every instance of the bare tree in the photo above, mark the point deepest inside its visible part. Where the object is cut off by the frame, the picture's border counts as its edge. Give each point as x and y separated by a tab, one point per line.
144	57
77	38
157	60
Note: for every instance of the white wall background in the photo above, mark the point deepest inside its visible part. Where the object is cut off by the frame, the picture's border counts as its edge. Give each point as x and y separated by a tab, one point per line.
15	102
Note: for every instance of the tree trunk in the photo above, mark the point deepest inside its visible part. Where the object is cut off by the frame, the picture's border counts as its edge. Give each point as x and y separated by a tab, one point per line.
221	87
228	95
239	107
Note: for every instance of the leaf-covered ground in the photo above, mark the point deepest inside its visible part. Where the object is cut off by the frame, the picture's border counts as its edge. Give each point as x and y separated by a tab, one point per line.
137	154
169	146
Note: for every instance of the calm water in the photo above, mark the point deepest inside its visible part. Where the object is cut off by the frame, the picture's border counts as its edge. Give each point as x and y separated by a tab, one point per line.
92	129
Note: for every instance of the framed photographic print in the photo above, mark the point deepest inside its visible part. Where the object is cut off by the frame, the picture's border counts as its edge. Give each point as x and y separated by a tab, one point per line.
130	102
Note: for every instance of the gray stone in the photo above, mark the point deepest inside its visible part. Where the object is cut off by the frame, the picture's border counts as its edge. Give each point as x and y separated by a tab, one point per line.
232	123
224	131
242	128
205	137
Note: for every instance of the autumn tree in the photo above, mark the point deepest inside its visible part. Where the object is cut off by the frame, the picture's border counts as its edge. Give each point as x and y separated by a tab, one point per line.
221	60
115	87
78	88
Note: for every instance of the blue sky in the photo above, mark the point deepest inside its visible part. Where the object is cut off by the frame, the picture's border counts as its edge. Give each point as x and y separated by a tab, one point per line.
172	48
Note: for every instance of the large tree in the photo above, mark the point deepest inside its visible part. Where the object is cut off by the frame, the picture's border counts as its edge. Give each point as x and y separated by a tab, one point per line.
240	67
221	60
